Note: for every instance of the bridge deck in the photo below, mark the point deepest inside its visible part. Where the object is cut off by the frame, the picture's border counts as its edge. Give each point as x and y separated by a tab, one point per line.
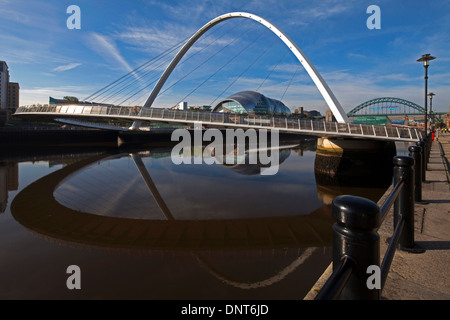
221	120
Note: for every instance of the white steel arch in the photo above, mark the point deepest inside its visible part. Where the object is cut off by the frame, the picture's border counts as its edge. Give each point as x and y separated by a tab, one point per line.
320	83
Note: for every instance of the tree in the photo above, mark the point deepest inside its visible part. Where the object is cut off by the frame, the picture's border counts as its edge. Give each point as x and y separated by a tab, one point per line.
70	99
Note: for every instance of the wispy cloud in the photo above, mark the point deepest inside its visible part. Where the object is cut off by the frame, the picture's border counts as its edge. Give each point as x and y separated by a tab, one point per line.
33	95
66	67
106	47
154	38
356	55
29	13
196	9
318	11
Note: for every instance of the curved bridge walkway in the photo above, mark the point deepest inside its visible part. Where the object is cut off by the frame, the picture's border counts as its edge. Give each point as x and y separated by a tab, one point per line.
83	115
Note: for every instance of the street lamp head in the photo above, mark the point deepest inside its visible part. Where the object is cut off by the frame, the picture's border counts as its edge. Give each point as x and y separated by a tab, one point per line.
431	94
426	58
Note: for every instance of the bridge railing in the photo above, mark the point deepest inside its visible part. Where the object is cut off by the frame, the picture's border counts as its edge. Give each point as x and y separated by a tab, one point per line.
357	273
282	123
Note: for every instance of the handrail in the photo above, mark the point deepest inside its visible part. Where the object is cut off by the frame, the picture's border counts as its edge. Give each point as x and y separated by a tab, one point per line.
389	255
389	202
355	236
336	283
272	122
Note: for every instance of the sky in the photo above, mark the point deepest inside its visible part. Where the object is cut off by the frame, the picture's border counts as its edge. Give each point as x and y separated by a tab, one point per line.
48	58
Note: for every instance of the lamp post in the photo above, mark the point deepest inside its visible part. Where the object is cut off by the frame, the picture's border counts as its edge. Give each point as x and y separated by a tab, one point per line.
426	58
431	94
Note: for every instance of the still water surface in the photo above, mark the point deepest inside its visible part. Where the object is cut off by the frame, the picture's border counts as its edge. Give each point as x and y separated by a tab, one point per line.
141	227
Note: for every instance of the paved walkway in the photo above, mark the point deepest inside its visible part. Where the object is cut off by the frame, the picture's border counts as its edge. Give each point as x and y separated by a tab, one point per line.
421	276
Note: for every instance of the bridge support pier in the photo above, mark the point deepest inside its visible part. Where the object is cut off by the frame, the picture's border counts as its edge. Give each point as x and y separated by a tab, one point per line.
347	162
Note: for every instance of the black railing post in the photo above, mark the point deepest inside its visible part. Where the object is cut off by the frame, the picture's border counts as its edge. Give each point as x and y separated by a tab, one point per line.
416	153
425	153
430	141
421	144
355	237
404	204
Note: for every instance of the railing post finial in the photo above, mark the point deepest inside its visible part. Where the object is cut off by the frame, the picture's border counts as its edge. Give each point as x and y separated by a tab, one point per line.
416	153
355	237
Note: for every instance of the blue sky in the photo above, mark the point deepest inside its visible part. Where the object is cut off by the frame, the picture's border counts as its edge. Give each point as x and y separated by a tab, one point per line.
359	64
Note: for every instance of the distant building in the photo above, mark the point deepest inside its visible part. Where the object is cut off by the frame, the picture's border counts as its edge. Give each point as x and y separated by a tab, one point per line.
252	103
299	111
53	101
329	117
203	108
447	118
9	94
182	105
9	91
13	95
4	80
312	113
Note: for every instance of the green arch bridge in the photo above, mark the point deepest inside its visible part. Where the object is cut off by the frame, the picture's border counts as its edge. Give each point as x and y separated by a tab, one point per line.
390	110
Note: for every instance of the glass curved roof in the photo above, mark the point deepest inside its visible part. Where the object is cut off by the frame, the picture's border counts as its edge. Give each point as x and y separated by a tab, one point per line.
252	102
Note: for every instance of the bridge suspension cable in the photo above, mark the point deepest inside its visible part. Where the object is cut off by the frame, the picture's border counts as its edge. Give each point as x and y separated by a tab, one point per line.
125	86
141	90
273	69
129	74
227	63
290	82
126	81
201	64
245	70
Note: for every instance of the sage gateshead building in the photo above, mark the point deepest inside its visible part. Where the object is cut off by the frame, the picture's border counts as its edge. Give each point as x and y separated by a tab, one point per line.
252	103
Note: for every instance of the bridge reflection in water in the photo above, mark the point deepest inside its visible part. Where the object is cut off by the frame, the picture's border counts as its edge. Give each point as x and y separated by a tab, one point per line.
206	232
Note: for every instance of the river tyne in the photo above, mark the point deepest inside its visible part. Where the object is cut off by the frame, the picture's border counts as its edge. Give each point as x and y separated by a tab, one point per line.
139	226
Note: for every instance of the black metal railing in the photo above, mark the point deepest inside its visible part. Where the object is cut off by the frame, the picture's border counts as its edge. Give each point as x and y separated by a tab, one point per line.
357	273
